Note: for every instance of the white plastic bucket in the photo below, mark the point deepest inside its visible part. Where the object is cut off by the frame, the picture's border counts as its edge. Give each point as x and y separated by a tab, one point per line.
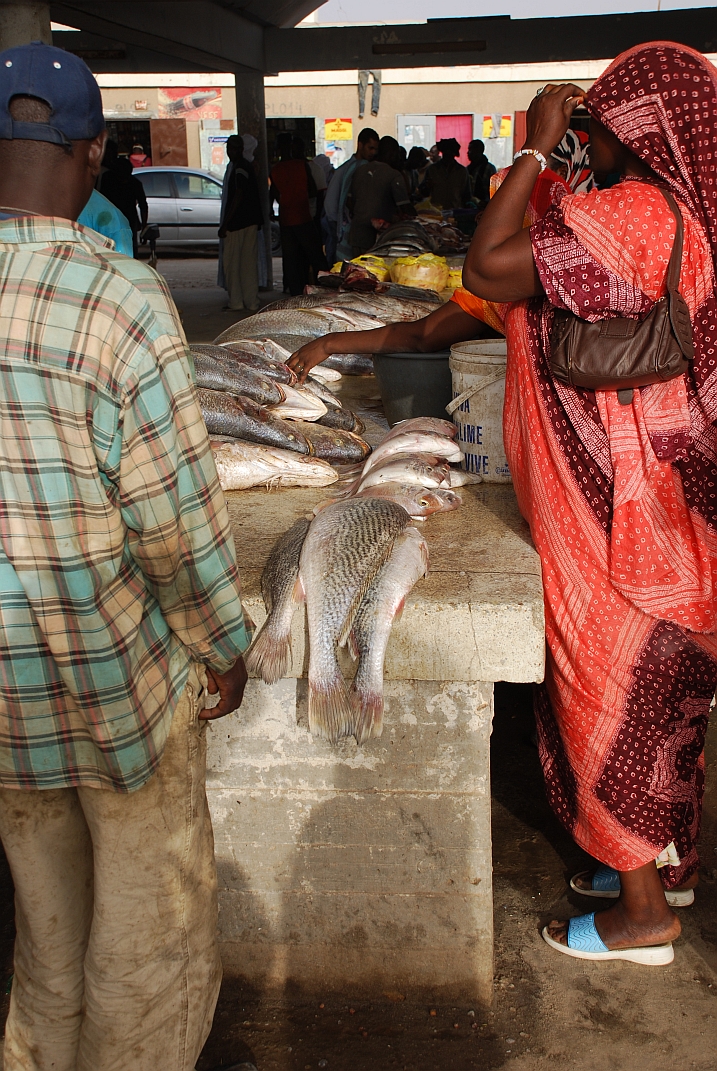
478	371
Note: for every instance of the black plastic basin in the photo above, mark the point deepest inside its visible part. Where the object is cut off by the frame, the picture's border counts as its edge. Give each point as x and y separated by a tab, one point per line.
413	384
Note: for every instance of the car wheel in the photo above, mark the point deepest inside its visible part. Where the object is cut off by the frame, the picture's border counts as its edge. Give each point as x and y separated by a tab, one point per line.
275	240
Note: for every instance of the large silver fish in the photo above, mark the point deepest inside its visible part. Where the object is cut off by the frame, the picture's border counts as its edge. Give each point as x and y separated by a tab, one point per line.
300	404
345	547
256	355
381	605
237	378
241	418
418	502
406	470
348	364
423	424
307	323
283	593
336	415
414	442
241	465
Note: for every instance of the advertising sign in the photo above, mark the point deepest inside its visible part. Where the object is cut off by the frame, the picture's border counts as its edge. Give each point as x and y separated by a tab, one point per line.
338	130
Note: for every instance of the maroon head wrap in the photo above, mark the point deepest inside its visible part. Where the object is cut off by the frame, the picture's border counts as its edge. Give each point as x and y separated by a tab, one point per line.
660	100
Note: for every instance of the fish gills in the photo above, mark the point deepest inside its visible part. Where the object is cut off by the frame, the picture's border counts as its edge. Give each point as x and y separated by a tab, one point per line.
282	591
380	607
346	545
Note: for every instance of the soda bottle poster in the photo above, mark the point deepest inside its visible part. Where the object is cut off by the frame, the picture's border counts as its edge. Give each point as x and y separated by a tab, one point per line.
179	102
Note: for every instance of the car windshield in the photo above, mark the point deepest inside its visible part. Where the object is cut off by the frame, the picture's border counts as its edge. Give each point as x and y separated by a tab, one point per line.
189	185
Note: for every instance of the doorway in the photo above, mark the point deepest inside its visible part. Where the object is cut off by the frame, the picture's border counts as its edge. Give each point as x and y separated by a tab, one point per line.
129	132
302	127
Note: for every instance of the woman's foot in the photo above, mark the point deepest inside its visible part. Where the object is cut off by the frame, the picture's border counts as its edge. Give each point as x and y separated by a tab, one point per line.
640	917
584	882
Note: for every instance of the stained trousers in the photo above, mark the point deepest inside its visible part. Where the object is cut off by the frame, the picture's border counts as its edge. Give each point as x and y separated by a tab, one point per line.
116	958
241	268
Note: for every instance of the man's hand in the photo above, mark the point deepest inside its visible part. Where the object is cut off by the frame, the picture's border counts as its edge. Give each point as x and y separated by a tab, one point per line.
230	686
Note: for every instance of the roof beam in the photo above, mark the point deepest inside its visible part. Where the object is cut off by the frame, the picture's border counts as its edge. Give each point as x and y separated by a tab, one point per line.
197	31
447	42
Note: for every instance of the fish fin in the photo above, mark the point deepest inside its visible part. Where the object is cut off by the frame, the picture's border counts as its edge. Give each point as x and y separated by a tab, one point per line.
399	611
352	644
298	595
270	654
367	710
329	709
281	390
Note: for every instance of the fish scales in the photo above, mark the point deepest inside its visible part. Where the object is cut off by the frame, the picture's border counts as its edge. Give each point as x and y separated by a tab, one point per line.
380	607
241	418
345	547
235	377
281	590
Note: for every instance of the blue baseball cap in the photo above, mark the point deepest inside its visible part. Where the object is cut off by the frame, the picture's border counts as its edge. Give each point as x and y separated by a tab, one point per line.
63	81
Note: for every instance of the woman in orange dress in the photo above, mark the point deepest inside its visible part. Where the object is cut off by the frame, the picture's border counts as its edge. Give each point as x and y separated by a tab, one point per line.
621	498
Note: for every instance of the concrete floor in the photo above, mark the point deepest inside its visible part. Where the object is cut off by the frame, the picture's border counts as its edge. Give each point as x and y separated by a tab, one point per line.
549	1012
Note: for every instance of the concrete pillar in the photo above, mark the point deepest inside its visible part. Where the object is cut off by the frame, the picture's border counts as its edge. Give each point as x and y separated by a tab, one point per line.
251	119
21	23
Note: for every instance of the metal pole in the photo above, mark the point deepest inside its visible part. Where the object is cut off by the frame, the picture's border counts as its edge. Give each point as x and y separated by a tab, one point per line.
21	23
251	119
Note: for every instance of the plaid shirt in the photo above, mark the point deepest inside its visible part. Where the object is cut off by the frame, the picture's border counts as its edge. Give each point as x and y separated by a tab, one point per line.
117	563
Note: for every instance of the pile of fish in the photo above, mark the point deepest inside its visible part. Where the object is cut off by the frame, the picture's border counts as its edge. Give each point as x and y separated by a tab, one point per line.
412	467
292	322
404	239
448	239
354	565
259	419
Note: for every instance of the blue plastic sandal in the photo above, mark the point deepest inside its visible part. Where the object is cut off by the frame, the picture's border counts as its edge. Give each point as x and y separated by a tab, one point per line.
606	885
584	942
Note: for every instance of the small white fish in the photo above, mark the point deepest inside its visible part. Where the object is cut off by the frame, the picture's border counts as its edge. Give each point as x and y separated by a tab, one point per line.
299	404
414	442
411	470
241	465
329	375
459	478
424	424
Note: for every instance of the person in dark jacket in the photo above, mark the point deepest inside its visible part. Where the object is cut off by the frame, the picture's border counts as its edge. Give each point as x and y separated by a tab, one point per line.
446	183
127	193
480	171
293	185
239	229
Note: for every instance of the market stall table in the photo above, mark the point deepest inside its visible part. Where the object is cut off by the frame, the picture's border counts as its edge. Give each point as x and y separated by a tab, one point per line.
367	870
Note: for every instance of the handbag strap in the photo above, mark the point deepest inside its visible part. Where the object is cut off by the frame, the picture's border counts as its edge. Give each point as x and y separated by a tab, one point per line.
675	265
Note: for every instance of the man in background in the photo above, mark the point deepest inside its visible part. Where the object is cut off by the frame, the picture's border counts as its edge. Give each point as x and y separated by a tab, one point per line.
337	213
127	194
378	191
294	186
119	608
446	182
239	229
480	172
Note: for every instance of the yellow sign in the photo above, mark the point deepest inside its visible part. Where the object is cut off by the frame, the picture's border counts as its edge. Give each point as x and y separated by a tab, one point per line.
338	130
497	126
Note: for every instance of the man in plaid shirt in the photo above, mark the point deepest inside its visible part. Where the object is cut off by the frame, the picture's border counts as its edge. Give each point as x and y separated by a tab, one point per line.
119	606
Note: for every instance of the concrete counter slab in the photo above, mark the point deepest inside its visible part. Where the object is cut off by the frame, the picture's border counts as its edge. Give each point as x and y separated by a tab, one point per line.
368	870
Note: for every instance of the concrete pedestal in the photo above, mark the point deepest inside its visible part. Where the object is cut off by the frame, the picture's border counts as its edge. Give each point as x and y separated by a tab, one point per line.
368	870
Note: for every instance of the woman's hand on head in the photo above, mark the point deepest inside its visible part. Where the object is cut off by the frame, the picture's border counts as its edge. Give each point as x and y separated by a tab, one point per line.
549	114
307	357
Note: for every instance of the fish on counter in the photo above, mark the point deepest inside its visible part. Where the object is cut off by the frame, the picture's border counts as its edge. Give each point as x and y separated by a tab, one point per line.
437	425
346	545
236	377
327	375
459	478
337	415
348	364
241	418
368	638
306	323
332	444
282	592
412	470
241	465
418	502
300	404
414	442
255	355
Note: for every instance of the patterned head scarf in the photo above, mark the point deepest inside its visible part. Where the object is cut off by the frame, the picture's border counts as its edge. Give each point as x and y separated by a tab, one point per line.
660	100
573	152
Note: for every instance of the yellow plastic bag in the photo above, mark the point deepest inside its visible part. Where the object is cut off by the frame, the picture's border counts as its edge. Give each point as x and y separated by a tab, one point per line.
427	271
455	278
376	265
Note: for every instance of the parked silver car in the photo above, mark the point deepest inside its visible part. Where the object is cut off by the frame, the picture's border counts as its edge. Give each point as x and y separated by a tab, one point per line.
185	204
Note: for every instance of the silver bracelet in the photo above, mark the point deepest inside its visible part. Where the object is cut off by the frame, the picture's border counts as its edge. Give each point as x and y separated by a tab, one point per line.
533	152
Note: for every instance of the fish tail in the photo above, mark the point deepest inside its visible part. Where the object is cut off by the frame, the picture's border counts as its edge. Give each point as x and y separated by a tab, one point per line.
270	654
367	709
329	709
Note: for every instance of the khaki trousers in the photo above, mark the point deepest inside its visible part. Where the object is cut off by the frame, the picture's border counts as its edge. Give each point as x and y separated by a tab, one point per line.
240	267
116	959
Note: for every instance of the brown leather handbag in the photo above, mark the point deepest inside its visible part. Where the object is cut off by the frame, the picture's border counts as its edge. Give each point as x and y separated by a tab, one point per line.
621	354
